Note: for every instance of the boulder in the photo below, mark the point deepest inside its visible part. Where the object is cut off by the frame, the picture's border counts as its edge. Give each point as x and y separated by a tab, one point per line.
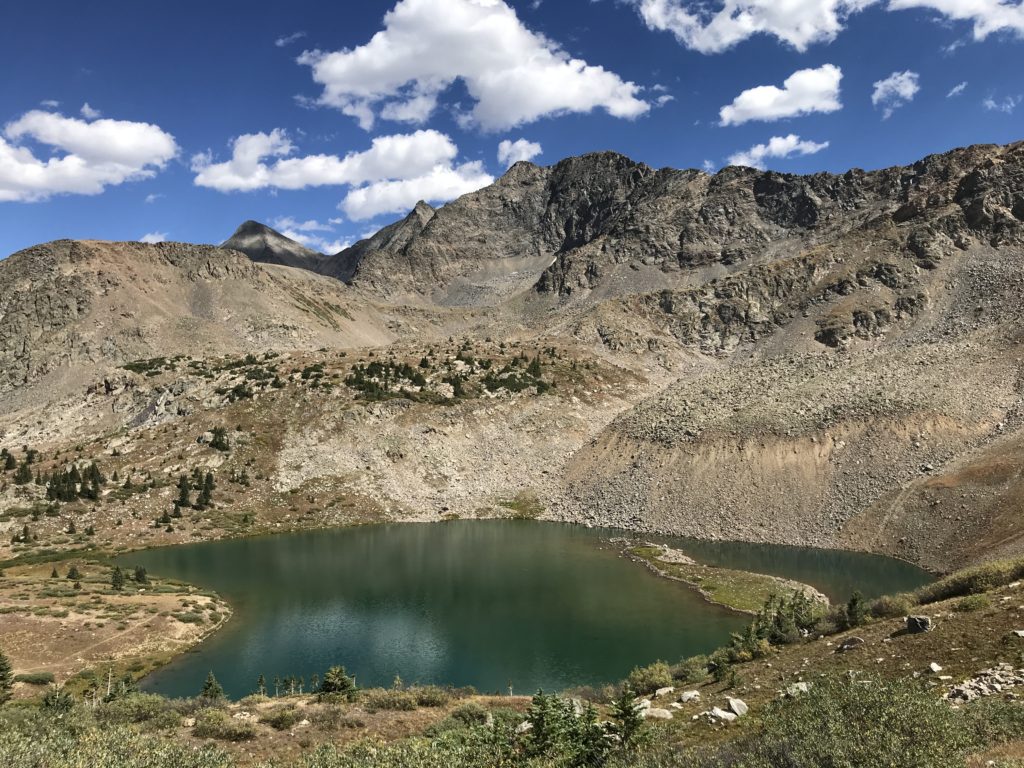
849	644
656	713
720	714
738	707
918	624
664	692
688	696
797	689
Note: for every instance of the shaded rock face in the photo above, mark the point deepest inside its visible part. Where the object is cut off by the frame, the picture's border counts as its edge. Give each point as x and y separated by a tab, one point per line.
571	229
268	246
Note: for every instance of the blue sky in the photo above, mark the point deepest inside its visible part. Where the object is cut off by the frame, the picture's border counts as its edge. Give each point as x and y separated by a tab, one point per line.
202	115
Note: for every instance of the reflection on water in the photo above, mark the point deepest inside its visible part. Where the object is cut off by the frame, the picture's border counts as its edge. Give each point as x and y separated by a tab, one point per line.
485	603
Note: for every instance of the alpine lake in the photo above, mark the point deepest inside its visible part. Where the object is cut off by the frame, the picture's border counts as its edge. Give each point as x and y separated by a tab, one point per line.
493	604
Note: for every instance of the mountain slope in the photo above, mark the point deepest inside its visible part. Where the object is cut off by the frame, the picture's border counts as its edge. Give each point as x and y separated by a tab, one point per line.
72	305
268	246
826	360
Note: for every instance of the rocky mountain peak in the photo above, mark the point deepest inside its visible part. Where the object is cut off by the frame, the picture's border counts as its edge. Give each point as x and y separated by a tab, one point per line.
268	246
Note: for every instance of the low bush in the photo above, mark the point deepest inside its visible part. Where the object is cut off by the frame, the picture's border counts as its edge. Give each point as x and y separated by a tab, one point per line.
35	678
137	708
693	670
971	581
644	680
891	607
334	718
431	696
972	603
218	724
377	699
845	723
281	718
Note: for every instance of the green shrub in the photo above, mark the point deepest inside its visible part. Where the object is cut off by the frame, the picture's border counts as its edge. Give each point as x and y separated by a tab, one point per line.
136	708
35	678
971	581
377	699
891	607
431	696
972	603
333	718
281	718
844	723
692	670
644	680
994	720
218	724
33	739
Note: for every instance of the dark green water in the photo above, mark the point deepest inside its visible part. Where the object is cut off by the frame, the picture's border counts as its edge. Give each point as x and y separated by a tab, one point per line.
465	603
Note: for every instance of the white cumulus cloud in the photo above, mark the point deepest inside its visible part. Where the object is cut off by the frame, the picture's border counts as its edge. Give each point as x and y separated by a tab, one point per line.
89	113
441	184
803	92
778	147
713	26
987	16
717	26
153	237
389	157
956	90
45	153
512	152
513	75
390	177
893	92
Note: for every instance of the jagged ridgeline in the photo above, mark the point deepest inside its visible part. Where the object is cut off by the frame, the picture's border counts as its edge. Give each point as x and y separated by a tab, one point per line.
830	359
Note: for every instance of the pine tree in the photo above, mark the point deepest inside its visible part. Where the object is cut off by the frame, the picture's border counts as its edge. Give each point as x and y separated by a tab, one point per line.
183	492
23	475
6	679
72	529
627	720
10	462
54	574
337	682
141	577
117	579
220	439
212	690
74	574
261	686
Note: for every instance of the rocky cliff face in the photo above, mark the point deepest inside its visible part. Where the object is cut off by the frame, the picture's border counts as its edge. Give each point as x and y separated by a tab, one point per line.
581	226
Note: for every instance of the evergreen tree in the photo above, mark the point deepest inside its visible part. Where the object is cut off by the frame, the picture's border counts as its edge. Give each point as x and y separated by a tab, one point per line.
10	462
72	529
23	475
212	690
141	577
549	717
261	686
220	439
627	720
54	574
6	679
183	492
117	579
74	574
337	682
